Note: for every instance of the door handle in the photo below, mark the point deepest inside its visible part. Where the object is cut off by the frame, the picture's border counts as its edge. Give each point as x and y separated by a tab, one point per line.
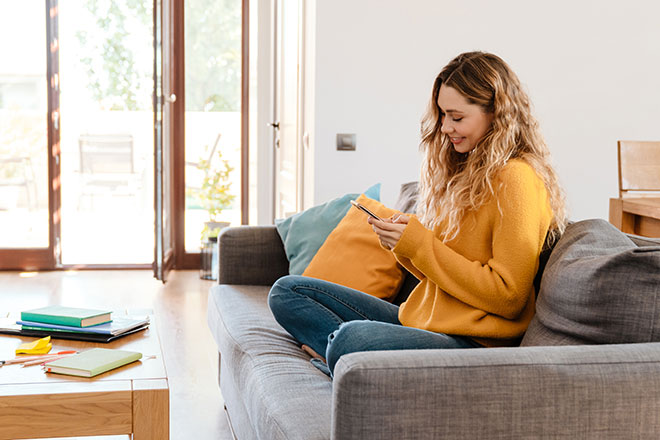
275	125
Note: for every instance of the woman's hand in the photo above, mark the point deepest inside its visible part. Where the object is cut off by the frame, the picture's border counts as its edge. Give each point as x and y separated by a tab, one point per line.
389	230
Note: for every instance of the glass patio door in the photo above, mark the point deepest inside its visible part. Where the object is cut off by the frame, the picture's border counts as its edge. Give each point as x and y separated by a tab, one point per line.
107	132
29	135
116	155
76	179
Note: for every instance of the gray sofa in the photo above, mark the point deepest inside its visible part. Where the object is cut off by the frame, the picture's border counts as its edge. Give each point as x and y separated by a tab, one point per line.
588	367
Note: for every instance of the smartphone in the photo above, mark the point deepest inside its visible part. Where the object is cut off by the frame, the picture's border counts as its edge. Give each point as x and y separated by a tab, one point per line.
364	208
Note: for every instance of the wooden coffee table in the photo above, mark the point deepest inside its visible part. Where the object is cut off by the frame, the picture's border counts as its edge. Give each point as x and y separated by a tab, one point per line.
133	399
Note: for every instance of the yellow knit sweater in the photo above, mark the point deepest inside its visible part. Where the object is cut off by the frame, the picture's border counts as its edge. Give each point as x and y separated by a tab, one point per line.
480	283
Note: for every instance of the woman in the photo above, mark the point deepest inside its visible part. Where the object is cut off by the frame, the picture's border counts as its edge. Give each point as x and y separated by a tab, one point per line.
489	198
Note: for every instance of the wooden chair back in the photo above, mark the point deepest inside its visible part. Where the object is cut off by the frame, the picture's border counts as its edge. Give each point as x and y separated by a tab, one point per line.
639	168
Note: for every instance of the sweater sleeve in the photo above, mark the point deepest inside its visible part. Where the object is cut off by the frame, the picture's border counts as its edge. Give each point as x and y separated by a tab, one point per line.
404	261
502	284
410	267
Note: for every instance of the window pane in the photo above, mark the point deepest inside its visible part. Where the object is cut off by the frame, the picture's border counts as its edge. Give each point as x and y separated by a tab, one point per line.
23	125
213	115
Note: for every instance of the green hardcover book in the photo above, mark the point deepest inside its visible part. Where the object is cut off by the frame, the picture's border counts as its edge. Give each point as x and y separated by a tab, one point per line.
92	362
72	316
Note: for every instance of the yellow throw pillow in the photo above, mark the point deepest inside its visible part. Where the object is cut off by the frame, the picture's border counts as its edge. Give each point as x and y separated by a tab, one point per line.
352	255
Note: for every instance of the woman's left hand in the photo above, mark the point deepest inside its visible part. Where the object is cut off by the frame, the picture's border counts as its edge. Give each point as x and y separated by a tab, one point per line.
389	230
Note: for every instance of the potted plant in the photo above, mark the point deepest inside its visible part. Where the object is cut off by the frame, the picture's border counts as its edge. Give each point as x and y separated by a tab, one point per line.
213	196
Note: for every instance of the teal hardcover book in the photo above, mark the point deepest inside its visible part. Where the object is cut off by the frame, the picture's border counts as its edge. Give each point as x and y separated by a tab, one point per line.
117	326
71	316
92	362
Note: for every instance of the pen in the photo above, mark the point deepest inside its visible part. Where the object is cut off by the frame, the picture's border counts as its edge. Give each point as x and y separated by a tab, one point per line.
43	361
20	360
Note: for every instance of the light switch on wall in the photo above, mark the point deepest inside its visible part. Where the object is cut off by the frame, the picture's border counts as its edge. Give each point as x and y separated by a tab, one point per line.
346	141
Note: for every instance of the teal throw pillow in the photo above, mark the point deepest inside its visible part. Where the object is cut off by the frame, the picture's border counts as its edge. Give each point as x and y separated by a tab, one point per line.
305	232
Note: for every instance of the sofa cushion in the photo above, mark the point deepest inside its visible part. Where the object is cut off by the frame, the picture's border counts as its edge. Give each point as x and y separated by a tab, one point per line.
408	195
353	257
272	390
303	233
598	287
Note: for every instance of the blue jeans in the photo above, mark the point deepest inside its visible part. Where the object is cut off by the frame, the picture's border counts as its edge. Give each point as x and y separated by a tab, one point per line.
337	320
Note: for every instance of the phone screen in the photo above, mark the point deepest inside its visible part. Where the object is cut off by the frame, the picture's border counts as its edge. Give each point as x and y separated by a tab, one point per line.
364	209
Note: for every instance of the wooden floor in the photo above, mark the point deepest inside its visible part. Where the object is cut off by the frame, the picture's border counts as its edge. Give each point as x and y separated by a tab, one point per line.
179	307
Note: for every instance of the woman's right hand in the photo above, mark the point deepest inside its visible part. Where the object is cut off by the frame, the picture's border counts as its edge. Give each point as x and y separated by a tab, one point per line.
389	230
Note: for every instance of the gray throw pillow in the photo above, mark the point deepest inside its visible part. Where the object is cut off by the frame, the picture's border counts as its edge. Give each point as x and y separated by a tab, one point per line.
598	287
407	201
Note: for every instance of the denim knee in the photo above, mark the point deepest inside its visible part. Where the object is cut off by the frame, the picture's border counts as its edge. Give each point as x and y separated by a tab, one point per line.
280	292
346	339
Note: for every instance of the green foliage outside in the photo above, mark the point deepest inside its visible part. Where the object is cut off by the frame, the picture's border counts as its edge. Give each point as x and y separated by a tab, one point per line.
212	50
107	52
213	55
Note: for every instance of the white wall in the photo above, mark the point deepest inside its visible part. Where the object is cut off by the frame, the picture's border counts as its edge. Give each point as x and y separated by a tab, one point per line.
592	69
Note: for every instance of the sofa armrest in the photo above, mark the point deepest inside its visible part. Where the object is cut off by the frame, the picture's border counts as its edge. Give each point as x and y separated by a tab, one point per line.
600	392
251	255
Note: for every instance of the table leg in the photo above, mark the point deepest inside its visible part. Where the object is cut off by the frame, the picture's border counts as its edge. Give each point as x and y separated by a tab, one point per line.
624	221
151	409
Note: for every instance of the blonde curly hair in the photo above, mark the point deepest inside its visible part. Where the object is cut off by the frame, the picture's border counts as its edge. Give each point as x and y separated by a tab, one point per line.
454	183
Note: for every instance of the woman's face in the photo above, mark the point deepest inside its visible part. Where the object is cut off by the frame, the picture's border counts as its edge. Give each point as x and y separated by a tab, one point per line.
464	123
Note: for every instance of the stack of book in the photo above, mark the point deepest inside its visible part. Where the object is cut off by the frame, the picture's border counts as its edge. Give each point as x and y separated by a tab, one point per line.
78	323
